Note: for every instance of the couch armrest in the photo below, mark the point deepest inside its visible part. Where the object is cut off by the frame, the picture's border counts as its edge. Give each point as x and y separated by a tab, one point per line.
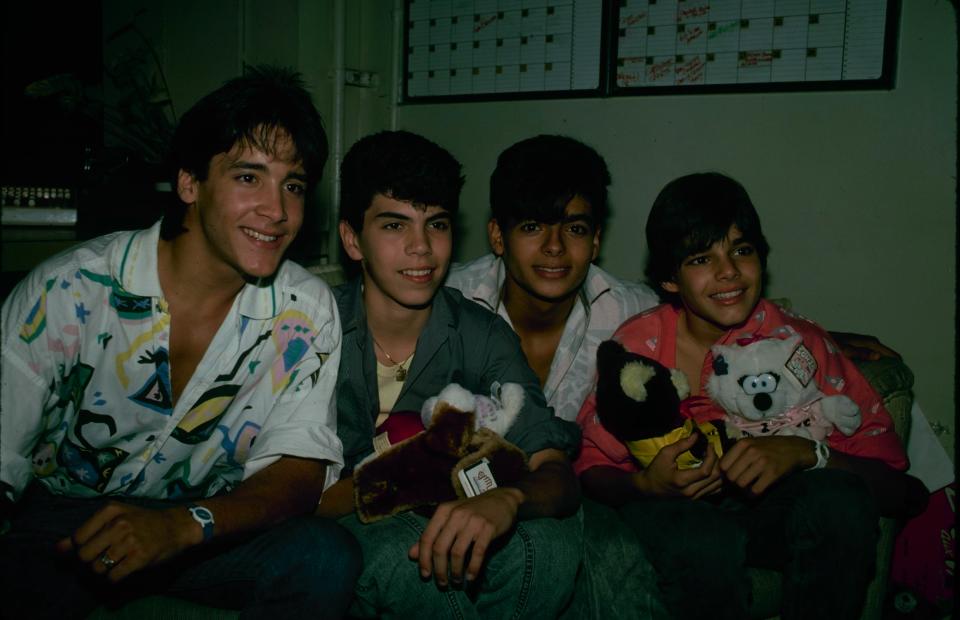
893	380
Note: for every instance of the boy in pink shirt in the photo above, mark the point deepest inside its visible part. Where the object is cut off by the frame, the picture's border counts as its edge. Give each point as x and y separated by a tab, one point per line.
793	504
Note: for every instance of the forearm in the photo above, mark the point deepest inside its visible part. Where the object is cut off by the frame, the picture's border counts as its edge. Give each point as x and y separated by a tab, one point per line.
120	538
550	489
337	501
287	488
610	485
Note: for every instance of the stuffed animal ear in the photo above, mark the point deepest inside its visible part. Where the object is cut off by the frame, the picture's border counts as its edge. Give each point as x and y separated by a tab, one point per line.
680	382
511	397
633	379
793	340
720	367
454	395
426	410
450	430
458	397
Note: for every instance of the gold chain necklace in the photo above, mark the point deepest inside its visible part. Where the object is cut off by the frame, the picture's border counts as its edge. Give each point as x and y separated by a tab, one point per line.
401	372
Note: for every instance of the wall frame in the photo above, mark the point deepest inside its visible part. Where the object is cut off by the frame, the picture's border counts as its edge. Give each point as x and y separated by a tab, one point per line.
482	50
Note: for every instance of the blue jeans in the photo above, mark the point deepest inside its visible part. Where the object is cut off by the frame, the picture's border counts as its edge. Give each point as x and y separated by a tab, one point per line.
304	567
818	527
616	580
529	575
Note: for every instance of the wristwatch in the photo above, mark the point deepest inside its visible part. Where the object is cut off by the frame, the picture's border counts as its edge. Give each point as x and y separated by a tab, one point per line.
204	517
823	454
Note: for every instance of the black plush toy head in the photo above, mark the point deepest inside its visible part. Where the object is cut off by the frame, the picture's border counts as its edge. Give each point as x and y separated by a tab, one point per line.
637	397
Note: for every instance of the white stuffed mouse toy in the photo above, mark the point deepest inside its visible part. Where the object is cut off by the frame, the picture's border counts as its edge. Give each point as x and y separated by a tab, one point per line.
767	387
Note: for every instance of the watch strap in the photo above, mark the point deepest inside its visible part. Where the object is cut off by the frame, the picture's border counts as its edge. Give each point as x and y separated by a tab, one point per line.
822	451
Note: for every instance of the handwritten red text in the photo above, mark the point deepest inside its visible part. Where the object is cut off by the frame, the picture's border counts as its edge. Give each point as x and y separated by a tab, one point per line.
660	69
690	72
632	20
483	23
691	34
694	11
755	59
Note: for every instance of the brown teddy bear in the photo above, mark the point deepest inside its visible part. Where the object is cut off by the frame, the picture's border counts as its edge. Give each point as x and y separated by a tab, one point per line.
457	455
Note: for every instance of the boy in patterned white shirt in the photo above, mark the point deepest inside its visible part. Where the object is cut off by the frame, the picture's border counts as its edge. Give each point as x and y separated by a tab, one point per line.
168	394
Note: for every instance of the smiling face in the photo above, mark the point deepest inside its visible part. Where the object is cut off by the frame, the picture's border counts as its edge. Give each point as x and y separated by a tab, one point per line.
548	261
720	286
247	211
404	249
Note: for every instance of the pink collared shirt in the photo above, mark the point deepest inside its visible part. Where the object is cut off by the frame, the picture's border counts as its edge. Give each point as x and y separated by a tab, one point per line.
654	334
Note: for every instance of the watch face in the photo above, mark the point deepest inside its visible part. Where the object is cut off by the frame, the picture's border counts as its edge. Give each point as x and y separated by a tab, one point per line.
202	514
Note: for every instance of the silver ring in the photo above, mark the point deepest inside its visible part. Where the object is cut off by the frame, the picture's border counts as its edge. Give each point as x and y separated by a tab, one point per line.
106	560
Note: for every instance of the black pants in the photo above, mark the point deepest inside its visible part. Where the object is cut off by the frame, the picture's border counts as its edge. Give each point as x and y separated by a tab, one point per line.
819	527
304	567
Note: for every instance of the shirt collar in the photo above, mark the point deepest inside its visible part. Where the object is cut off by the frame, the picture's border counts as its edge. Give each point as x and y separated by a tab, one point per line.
353	314
137	269
594	286
135	264
488	289
753	326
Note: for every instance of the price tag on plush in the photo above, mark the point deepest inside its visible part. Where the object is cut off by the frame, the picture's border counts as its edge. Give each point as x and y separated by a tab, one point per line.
477	478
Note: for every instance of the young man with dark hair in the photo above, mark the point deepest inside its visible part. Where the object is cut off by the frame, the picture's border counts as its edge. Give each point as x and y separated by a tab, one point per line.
548	202
168	393
805	506
514	550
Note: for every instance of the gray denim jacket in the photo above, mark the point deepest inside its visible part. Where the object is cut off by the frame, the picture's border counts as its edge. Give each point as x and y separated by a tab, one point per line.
461	343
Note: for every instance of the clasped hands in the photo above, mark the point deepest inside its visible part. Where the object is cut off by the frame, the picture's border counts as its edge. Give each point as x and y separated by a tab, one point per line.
752	464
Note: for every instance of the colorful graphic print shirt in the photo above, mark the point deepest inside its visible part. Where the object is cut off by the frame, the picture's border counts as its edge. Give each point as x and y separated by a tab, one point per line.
86	401
604	303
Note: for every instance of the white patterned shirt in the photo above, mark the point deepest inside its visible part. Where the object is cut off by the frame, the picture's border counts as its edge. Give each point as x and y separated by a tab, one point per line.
604	303
86	401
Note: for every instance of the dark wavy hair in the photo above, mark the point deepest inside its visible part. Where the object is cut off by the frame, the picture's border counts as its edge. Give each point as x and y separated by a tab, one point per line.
400	165
536	178
692	213
257	110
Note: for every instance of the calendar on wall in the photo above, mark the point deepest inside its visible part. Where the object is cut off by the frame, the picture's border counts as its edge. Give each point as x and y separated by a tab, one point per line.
683	43
493	48
502	49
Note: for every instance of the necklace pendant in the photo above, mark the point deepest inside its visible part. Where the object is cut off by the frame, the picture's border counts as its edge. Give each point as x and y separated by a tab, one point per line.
401	374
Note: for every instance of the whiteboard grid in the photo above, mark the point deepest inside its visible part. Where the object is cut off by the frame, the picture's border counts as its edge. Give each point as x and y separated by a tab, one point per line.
502	49
681	43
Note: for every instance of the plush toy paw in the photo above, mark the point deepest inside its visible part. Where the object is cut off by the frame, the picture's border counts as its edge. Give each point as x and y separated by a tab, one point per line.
843	412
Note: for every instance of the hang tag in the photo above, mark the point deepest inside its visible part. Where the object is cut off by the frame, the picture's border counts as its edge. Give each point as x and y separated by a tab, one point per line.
477	478
802	365
380	443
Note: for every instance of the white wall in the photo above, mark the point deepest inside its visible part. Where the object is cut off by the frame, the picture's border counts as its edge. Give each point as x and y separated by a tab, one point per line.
856	189
203	44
